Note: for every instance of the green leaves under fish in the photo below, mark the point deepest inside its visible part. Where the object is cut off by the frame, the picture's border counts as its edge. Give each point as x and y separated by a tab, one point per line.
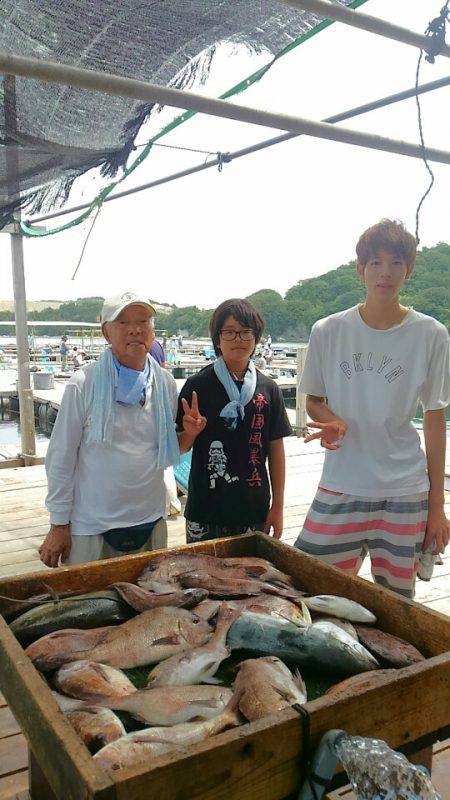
92	610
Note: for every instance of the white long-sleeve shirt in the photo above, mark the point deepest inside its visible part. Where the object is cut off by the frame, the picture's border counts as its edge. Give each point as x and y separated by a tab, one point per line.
98	487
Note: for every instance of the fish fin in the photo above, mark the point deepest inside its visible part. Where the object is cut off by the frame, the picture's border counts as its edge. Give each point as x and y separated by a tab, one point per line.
197	718
172	638
207	703
299	682
53	593
213	681
305	612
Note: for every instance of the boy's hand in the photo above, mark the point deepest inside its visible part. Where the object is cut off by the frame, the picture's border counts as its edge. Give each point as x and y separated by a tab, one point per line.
438	530
193	422
329	433
274	520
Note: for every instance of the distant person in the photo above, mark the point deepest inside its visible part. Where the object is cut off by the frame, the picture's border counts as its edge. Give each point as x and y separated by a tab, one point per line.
112	440
366	371
64	351
164	342
180	341
172	355
77	358
158	354
242	422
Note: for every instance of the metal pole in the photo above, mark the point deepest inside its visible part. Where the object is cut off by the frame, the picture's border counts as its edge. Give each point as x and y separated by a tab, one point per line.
26	405
140	90
300	397
366	22
254	148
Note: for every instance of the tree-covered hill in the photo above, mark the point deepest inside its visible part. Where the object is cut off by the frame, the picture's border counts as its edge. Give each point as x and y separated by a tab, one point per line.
291	317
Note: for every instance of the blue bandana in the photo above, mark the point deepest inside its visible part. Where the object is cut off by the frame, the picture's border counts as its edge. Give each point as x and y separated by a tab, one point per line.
235	409
131	384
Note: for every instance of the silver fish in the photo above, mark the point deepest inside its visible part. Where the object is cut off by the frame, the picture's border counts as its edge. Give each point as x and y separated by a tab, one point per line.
339	623
335	606
308	646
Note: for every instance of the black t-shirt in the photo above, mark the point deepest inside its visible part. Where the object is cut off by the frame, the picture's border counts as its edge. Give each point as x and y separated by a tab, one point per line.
228	481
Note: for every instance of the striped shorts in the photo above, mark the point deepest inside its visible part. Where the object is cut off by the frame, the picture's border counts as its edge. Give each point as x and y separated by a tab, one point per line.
342	529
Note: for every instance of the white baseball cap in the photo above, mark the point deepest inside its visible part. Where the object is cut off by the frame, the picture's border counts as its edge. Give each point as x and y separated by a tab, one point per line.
113	306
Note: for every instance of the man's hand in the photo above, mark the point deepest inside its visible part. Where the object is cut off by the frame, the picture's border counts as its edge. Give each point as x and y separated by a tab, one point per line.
58	542
193	422
274	520
438	530
329	433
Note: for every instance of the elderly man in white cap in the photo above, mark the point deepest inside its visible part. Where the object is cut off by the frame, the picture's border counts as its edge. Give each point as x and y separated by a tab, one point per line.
113	437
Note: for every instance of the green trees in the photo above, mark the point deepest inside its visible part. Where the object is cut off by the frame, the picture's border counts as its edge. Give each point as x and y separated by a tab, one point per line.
291	317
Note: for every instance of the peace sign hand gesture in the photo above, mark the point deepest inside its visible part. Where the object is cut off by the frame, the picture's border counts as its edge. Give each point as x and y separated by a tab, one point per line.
193	422
329	433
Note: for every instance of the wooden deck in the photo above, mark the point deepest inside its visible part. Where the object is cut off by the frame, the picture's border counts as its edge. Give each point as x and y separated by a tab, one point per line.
24	524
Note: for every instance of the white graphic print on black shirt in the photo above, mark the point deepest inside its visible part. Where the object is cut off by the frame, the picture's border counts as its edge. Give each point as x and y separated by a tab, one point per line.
228	482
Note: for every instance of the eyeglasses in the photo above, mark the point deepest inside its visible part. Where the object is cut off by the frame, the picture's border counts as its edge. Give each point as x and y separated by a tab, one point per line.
229	335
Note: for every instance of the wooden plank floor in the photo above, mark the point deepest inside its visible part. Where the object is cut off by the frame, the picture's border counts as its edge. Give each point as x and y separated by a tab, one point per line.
24	524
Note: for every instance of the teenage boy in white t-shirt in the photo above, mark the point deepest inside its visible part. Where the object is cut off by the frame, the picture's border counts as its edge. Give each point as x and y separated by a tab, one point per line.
367	369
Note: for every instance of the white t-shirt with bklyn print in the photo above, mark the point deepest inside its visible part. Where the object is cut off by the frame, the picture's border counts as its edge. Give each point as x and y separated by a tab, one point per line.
374	380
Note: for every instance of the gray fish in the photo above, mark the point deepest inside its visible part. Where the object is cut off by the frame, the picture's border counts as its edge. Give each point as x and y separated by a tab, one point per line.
339	623
308	646
92	610
97	727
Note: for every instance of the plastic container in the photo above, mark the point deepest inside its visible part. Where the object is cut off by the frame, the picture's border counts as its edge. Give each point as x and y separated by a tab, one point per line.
43	380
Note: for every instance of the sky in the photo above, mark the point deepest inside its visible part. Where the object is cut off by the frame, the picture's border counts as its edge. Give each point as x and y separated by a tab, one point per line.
288	213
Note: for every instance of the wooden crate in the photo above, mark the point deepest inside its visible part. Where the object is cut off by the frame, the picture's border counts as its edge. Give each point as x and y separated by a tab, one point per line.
259	760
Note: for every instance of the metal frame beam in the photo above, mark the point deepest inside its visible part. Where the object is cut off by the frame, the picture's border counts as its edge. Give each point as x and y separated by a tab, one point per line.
245	151
140	90
366	22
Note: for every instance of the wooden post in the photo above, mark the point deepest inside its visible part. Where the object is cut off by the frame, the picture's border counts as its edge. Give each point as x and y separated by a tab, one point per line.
26	408
300	398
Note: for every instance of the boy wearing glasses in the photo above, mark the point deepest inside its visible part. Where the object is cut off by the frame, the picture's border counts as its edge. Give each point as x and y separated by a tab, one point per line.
234	419
366	371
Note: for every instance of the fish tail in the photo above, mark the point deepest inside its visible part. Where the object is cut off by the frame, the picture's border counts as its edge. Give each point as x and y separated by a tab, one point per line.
231	716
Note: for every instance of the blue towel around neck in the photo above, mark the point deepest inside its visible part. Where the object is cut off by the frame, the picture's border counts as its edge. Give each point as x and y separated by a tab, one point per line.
131	384
238	399
103	408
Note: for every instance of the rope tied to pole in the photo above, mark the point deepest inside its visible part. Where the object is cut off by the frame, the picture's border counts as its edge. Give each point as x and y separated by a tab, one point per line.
436	33
222	158
435	30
